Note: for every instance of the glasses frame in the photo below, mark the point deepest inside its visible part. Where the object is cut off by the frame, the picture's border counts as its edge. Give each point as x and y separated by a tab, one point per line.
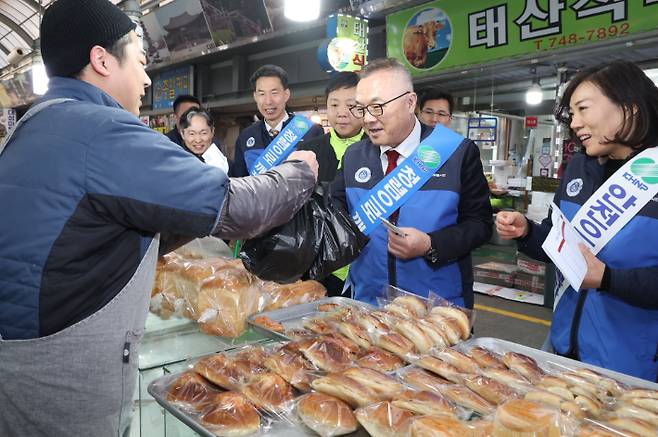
361	110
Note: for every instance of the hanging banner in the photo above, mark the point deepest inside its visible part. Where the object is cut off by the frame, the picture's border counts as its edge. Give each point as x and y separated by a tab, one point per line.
347	47
170	84
445	34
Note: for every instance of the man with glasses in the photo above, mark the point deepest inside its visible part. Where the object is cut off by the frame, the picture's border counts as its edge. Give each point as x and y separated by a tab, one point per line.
441	223
435	106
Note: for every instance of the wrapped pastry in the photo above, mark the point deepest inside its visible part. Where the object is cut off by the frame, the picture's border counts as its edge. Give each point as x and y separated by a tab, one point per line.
346	389
291	366
371	323
221	371
385	386
463	363
192	276
378	359
416	305
564	393
442	426
384	420
449	326
422	380
486	359
327	307
592	407
572	409
269	392
268	323
588	429
355	333
424	403
524	365
436	335
326	354
507	377
461	395
637	413
191	391
352	349
414	333
642	393
613	387
231	414
318	326
395	343
298	333
523	418
326	415
249	360
439	367
635	426
286	295
648	404
491	390
545	397
457	315
400	311
551	381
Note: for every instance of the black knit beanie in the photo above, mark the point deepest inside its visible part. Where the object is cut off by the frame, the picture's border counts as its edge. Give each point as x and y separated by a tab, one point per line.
70	28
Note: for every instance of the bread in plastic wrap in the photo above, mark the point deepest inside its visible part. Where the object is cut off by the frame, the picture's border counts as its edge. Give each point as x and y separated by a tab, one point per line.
439	426
286	295
523	418
346	389
424	403
326	415
231	414
378	359
221	371
191	391
269	392
384	420
384	385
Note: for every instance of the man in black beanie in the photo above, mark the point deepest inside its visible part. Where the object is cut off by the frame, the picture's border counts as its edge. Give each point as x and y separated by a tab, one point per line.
90	196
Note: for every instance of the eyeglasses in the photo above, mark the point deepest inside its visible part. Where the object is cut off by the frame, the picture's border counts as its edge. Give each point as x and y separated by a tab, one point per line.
374	109
440	114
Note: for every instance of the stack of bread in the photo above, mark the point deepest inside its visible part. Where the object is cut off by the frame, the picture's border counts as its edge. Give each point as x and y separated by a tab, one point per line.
220	293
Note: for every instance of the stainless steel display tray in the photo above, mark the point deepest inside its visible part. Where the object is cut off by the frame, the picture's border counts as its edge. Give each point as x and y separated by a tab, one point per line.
277	428
549	361
291	317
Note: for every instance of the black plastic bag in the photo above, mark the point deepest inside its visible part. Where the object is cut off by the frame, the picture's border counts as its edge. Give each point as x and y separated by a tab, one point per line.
319	239
341	239
286	253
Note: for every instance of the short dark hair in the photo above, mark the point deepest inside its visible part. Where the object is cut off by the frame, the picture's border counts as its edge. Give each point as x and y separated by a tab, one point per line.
186	117
269	70
344	79
185	98
626	85
435	93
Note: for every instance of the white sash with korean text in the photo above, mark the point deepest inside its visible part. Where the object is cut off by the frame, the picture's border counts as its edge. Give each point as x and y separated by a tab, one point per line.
616	202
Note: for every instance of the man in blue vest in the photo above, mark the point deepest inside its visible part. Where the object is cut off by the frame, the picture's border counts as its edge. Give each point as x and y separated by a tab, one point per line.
442	222
271	93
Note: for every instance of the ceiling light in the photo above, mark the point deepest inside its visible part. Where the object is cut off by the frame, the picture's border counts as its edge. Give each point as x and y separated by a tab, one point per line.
301	10
534	95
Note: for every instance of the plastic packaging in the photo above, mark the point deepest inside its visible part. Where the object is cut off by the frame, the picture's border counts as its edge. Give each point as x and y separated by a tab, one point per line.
522	418
326	415
286	295
384	419
231	414
191	392
269	392
424	402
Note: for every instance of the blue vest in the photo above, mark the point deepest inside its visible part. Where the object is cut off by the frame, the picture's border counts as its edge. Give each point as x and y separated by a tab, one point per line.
610	333
433	207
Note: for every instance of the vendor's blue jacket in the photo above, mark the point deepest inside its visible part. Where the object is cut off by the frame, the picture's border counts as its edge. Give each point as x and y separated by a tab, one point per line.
253	140
452	207
84	187
615	328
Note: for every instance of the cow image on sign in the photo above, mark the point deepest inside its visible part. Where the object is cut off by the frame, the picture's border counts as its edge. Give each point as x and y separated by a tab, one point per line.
426	38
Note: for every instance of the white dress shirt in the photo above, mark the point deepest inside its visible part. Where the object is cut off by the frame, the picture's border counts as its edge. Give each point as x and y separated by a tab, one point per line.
279	126
405	148
213	156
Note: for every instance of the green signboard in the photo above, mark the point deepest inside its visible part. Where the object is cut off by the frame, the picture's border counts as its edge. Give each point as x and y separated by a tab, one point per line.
445	34
347	46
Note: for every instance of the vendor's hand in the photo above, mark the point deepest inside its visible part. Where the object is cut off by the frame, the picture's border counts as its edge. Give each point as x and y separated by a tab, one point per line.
308	157
511	224
595	269
414	243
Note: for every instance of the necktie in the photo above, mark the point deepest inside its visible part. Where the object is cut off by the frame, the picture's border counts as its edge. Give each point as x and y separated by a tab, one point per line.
392	156
273	132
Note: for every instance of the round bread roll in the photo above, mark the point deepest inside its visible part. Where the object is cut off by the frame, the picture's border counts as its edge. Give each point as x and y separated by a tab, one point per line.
326	415
463	363
385	386
384	419
486	359
346	389
191	391
378	359
415	304
268	392
230	414
442	426
523	418
413	332
456	314
423	402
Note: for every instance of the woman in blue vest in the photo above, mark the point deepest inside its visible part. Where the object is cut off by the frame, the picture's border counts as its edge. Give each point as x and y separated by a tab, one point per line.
612	321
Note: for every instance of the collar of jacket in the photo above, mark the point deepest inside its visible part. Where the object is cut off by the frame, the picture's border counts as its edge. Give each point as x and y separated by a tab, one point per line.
263	125
78	90
334	139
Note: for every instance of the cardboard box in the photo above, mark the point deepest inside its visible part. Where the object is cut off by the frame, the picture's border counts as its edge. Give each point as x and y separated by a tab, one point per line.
529	265
529	282
495	273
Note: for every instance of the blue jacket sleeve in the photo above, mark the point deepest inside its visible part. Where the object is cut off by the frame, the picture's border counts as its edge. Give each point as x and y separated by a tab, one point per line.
635	286
136	177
